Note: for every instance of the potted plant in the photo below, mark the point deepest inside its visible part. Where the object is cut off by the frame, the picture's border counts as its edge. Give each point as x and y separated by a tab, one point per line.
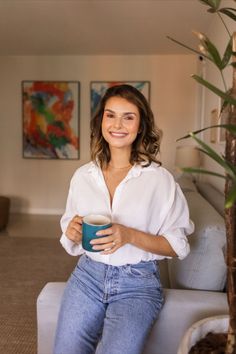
208	51
205	334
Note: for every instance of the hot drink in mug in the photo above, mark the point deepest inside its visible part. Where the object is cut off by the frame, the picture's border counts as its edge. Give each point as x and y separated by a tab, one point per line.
90	226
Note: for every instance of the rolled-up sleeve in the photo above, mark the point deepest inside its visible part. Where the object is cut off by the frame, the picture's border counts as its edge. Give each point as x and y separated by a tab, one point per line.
71	247
177	224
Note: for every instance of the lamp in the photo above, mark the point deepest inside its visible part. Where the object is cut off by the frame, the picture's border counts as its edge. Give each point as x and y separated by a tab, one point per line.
187	156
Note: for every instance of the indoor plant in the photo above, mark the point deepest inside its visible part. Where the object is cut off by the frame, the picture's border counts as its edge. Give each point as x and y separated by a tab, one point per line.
208	51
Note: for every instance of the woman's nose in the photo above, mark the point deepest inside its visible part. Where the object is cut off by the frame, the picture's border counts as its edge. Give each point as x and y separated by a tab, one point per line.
118	122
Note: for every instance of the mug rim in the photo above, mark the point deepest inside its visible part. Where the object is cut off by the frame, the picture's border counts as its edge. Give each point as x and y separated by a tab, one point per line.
104	218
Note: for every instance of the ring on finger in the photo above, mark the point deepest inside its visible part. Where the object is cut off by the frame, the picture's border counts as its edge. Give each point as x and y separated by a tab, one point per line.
113	243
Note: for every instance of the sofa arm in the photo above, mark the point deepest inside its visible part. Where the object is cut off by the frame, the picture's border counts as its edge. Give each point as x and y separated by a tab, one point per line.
181	309
48	305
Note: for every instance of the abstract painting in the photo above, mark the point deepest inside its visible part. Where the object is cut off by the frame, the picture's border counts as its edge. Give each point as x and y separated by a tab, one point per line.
98	88
50	119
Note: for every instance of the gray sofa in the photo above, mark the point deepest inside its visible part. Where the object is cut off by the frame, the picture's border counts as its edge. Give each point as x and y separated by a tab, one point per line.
193	287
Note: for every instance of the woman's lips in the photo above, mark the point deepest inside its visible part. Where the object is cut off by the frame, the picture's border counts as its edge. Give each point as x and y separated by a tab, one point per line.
118	135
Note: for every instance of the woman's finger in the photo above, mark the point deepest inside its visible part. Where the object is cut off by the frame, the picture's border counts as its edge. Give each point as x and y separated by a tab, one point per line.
105	232
76	227
102	240
78	219
111	250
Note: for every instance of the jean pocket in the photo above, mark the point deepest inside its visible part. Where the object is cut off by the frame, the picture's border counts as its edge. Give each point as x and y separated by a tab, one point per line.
80	266
143	269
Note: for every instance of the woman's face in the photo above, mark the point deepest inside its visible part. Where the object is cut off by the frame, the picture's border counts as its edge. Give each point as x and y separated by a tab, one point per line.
120	123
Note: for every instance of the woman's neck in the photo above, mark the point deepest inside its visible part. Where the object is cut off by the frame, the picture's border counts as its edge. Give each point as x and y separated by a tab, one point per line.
119	160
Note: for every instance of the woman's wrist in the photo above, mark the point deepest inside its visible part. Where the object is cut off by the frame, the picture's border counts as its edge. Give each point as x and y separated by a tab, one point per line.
132	234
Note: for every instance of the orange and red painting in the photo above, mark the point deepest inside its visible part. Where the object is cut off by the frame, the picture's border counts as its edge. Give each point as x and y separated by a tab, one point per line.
50	119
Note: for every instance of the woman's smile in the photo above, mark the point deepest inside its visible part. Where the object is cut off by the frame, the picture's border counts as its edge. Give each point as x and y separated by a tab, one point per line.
118	134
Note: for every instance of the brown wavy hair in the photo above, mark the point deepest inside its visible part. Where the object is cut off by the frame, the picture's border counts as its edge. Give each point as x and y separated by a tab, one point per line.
147	143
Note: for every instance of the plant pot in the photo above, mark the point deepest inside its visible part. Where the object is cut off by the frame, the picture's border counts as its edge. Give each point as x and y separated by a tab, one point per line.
214	324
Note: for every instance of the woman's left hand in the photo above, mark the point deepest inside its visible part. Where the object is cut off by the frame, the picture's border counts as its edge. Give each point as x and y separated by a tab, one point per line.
115	237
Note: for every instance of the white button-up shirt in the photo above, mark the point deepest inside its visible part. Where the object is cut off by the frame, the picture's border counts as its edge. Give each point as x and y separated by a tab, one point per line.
147	199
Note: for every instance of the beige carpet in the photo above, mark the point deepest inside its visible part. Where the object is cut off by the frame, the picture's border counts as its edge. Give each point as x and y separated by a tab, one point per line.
26	265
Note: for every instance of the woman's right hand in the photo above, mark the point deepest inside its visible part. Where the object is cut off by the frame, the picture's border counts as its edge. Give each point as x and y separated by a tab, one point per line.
74	229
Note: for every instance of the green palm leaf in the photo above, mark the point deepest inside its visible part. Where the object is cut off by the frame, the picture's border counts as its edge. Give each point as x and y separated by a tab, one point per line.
213	51
201	171
189	48
228	11
215	89
216	157
233	168
213	4
229	168
230	127
231	198
227	55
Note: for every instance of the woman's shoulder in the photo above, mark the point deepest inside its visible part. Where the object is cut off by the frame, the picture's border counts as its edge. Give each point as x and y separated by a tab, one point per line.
159	170
159	177
83	169
163	181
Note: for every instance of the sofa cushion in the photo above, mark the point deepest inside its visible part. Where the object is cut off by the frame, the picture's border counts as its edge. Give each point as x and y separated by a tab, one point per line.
212	195
186	184
204	268
164	274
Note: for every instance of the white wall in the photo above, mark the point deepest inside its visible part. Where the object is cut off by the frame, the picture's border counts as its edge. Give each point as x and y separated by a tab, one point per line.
218	35
40	186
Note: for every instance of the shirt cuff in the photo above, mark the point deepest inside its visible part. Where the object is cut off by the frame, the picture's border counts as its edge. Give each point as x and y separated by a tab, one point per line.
180	245
71	247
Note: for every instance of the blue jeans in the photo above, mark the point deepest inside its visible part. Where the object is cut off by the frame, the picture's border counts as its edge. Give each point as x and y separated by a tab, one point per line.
108	309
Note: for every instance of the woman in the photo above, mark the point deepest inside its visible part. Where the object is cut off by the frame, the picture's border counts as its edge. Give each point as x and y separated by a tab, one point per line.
113	297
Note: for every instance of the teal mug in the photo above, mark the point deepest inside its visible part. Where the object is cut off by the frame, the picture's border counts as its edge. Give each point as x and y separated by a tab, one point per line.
90	225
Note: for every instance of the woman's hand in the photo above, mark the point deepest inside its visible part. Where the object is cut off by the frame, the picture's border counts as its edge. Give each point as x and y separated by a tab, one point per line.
74	229
116	236
119	235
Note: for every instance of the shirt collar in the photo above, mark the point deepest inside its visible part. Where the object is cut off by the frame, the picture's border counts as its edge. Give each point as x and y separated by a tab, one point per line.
138	169
135	171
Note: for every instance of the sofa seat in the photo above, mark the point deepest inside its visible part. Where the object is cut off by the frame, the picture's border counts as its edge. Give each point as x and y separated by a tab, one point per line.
182	308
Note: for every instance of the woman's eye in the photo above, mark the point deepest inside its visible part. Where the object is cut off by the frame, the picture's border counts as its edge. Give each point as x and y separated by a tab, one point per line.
129	117
110	115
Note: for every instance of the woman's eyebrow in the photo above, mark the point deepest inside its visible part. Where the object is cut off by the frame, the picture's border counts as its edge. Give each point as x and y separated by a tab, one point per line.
123	114
108	110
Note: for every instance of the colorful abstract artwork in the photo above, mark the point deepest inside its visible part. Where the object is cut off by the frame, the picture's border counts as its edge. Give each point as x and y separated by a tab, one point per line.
50	119
98	88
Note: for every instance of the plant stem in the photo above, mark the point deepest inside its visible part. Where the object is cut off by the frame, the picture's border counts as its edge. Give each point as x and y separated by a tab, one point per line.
222	20
189	48
223	79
